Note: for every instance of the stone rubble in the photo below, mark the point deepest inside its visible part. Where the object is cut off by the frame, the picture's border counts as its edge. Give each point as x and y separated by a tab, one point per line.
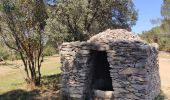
133	62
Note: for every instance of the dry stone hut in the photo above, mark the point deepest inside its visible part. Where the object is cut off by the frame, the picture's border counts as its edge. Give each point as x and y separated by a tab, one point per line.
112	65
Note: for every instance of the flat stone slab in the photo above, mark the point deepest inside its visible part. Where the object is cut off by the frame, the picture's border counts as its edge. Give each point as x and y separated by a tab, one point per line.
103	94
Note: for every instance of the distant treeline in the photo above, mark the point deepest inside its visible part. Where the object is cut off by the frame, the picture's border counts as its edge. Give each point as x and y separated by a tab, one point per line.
160	34
8	54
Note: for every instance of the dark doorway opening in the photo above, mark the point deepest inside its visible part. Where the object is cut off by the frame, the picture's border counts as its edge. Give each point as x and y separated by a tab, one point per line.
101	79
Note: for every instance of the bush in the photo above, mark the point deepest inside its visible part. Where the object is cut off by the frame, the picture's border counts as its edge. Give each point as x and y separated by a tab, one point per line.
49	51
162	39
4	53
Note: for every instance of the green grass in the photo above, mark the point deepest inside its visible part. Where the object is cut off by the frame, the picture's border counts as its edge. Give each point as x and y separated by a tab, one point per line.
11	82
52	66
14	78
161	96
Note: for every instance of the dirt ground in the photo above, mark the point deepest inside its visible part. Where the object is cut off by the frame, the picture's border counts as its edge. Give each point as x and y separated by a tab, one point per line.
164	65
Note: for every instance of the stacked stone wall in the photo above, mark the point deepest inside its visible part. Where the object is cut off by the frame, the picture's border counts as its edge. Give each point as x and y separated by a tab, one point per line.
74	60
134	67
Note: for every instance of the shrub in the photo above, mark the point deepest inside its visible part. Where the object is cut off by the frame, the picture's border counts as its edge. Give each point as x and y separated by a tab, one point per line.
4	53
49	51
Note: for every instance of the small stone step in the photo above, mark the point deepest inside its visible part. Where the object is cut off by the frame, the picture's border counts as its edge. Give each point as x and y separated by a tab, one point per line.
103	95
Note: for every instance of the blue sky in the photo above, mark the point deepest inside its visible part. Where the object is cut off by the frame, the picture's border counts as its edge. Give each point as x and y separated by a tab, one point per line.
147	10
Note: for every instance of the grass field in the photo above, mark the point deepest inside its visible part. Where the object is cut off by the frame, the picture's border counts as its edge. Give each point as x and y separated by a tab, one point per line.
11	79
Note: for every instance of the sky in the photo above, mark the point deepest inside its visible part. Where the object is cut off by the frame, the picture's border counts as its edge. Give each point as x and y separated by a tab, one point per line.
147	10
51	2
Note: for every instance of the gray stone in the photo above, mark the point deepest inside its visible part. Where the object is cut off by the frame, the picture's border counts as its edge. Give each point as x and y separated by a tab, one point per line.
129	71
140	64
84	52
134	69
76	96
103	94
140	87
132	97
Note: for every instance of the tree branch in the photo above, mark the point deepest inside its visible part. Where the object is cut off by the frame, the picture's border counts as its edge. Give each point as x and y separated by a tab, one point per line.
8	45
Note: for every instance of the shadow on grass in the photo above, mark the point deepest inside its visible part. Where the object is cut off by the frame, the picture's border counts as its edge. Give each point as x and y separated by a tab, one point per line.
51	82
49	90
20	95
161	96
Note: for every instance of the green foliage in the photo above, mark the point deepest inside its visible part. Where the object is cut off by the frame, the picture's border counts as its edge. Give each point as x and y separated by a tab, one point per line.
74	20
49	50
157	35
165	9
4	52
161	96
165	42
51	81
161	34
165	23
22	24
151	35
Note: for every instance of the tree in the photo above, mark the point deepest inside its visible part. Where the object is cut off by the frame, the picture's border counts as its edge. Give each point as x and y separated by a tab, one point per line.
4	52
165	9
157	35
73	20
22	29
160	34
165	12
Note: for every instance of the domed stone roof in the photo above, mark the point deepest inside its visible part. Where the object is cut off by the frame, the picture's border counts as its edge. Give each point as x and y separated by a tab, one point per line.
114	35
